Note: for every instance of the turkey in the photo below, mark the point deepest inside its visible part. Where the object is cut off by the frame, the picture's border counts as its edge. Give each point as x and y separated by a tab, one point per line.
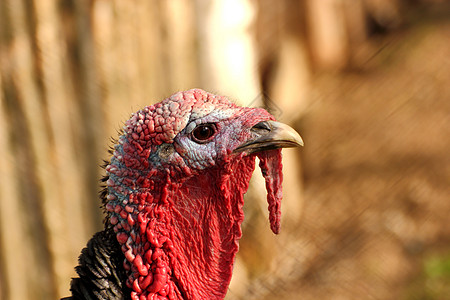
174	198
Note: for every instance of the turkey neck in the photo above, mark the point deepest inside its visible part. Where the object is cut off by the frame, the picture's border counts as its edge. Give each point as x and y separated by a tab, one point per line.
180	240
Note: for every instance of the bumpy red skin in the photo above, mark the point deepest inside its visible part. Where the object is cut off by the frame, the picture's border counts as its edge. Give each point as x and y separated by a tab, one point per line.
175	205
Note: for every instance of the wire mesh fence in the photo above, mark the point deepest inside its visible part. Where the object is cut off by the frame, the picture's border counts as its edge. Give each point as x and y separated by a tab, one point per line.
366	200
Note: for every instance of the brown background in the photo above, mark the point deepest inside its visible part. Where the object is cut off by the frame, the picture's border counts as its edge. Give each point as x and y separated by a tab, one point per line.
366	82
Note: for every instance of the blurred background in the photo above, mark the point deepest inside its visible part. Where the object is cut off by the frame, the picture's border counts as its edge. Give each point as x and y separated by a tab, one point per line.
366	212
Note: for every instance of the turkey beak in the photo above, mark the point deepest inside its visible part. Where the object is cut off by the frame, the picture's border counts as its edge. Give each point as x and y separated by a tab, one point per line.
270	135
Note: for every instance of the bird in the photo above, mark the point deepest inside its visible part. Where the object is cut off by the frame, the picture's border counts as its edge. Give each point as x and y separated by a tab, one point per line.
173	198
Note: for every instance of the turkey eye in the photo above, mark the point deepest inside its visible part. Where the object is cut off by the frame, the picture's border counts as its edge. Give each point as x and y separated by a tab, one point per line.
203	132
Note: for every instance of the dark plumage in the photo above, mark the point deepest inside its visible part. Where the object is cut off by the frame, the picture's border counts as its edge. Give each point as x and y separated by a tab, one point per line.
100	270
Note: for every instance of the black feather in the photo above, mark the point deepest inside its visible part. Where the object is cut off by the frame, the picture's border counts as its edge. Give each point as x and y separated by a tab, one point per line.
100	270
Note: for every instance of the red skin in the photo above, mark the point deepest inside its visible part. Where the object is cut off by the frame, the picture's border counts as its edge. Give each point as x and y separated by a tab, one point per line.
179	222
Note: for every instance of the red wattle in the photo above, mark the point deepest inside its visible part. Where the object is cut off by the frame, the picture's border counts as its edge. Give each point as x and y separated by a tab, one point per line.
271	168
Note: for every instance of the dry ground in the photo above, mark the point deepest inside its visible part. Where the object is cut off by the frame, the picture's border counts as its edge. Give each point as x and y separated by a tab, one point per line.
377	174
